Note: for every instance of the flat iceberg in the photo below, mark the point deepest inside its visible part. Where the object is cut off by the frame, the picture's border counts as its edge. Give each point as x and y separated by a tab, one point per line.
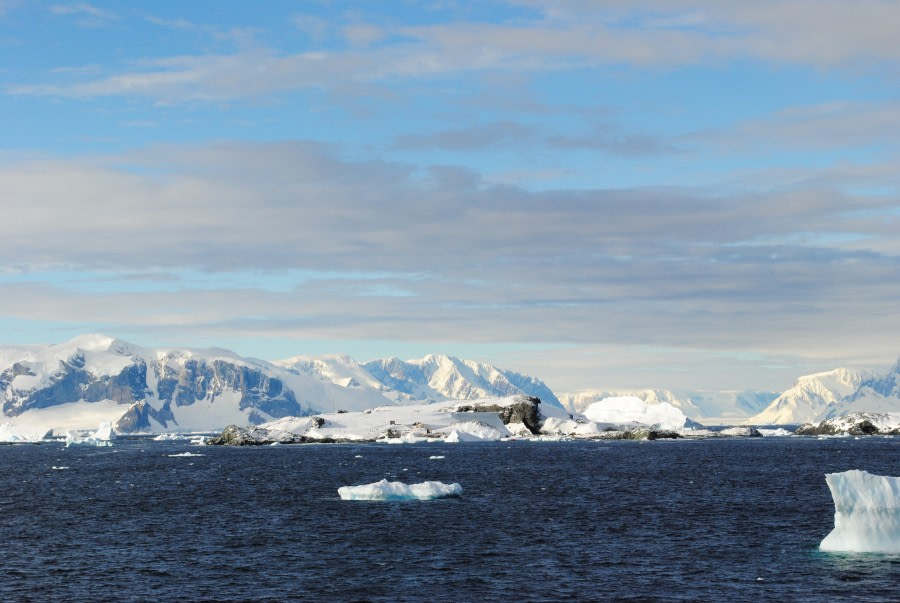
385	490
866	513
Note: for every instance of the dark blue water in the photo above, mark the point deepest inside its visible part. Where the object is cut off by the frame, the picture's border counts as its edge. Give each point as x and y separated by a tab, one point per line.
666	521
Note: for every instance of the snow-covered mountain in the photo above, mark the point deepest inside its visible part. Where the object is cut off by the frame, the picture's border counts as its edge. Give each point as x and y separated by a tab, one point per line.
821	396
704	406
430	379
438	377
94	378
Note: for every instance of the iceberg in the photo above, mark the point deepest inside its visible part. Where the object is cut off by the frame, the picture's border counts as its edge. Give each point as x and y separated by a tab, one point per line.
866	513
622	410
102	437
474	431
9	434
385	490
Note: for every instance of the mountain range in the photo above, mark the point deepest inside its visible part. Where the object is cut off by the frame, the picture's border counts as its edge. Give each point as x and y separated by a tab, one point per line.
93	378
829	394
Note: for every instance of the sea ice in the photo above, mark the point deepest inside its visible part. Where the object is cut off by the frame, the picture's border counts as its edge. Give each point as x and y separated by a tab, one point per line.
385	490
866	513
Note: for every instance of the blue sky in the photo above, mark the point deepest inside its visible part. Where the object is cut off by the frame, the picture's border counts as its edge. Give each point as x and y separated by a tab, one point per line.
600	193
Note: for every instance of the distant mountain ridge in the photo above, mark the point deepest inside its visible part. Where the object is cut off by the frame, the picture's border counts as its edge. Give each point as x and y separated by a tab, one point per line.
94	378
826	395
725	406
97	377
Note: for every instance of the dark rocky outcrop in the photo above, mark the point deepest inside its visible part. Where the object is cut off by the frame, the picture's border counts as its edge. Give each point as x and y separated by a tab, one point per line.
638	433
525	410
137	418
257	436
857	424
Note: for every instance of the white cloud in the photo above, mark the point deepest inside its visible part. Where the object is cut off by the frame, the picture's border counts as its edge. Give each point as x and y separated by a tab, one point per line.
445	258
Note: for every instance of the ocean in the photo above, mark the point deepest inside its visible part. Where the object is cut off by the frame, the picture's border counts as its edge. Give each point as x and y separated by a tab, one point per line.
704	520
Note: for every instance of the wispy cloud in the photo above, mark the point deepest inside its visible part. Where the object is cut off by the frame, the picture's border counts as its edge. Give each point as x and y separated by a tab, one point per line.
85	14
571	36
606	138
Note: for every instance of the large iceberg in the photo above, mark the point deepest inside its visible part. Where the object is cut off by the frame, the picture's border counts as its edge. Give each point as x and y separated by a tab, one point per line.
622	410
385	490
866	513
10	434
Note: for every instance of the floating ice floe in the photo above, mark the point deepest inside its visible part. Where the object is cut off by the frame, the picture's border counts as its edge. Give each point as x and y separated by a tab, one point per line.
776	431
180	454
866	513
385	490
102	437
169	437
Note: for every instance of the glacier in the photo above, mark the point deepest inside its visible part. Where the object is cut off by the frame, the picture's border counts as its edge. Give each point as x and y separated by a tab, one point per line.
385	490
866	513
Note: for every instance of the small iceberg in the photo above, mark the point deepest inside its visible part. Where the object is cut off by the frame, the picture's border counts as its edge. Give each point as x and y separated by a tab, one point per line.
866	513
169	437
184	454
102	437
385	490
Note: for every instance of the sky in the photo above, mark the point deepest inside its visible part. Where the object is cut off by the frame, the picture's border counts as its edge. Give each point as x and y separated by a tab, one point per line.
602	194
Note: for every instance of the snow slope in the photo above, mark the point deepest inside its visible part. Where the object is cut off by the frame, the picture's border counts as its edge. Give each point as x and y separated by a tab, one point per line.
433	378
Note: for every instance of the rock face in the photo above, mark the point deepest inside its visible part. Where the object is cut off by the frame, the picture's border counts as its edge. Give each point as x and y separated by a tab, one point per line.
70	382
258	436
858	423
525	410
